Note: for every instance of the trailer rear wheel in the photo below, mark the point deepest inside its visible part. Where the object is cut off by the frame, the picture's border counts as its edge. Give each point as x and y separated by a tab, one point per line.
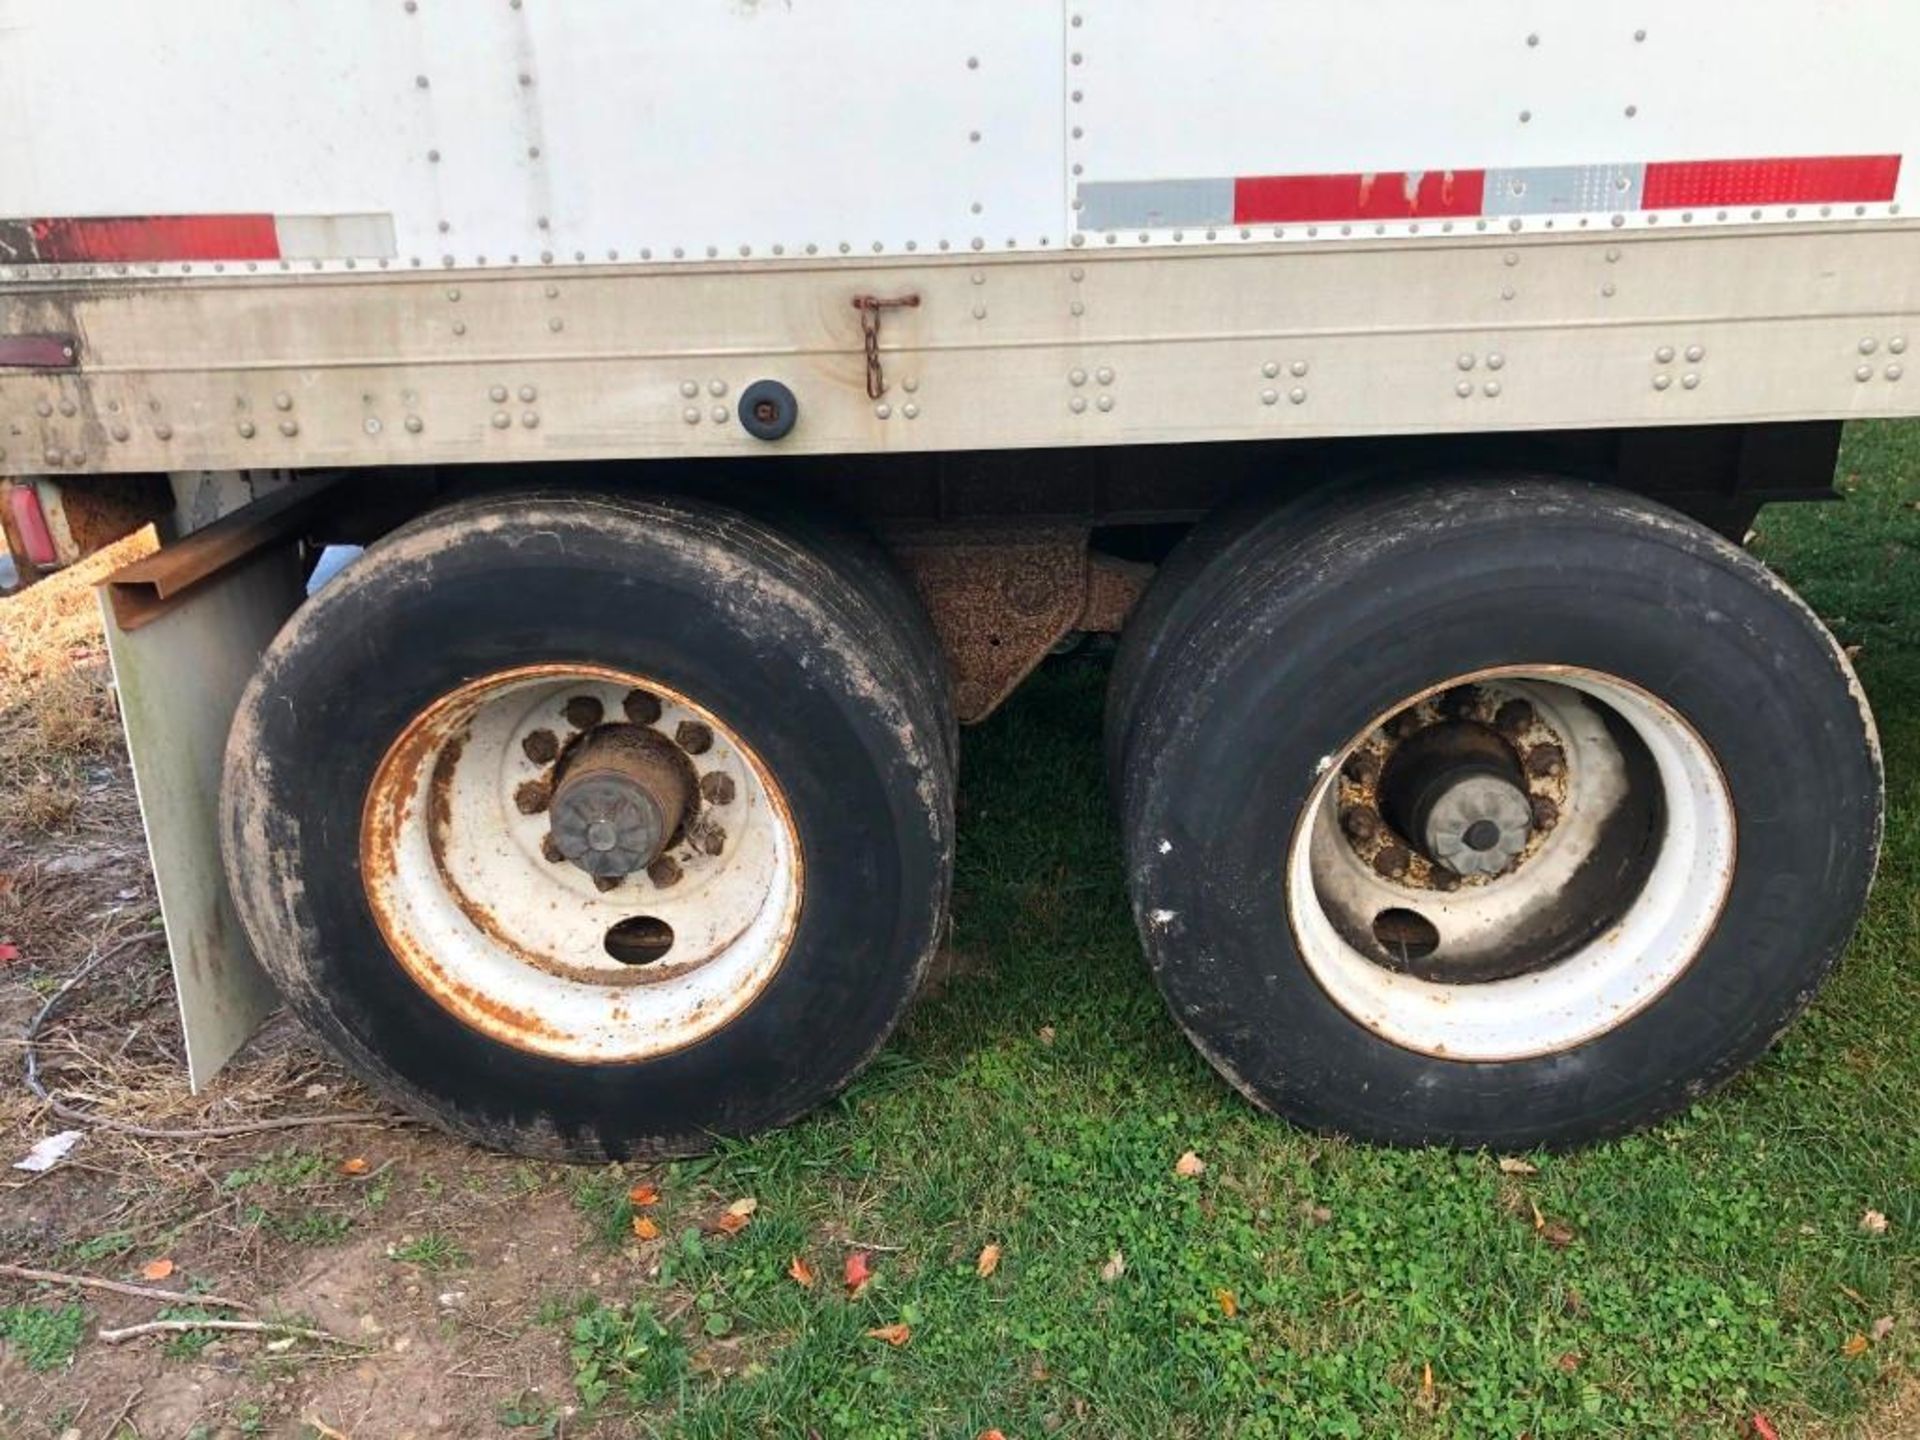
1498	812
591	827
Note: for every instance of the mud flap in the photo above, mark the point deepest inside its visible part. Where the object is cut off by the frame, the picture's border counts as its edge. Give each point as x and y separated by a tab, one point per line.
179	677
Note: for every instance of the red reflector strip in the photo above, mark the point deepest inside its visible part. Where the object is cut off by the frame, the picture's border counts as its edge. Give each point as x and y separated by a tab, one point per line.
156	237
1820	180
1388	195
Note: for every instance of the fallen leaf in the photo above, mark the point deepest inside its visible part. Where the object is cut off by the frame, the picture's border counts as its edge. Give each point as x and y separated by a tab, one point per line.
1557	1235
1115	1267
1882	1328
991	1435
801	1272
1317	1214
1189	1165
894	1335
157	1269
1229	1303
1568	1362
356	1166
1874	1223
9	953
988	1262
859	1272
1427	1397
644	1227
1046	1038
643	1195
730	1223
1856	1344
1539	1220
1512	1165
1763	1427
743	1208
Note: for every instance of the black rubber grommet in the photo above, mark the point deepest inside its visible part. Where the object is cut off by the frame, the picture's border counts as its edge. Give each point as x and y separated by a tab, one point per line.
768	410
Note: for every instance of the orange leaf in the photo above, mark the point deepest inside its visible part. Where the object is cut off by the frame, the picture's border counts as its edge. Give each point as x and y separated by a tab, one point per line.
9	953
991	1435
730	1223
644	1227
1189	1165
356	1166
988	1262
859	1272
801	1272
644	1195
895	1335
1856	1345
1426	1385
1229	1302
157	1269
1763	1427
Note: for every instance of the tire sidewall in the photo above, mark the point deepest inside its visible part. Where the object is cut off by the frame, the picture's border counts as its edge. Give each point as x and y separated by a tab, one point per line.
1292	678
770	649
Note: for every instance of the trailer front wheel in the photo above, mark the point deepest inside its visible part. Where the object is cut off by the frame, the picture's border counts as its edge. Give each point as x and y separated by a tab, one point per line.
592	828
1493	813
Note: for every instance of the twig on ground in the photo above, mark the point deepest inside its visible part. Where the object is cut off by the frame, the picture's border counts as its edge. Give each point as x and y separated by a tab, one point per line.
119	1287
126	1409
256	1327
150	1132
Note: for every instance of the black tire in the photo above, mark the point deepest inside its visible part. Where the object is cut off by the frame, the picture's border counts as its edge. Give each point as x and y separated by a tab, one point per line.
1291	646
815	651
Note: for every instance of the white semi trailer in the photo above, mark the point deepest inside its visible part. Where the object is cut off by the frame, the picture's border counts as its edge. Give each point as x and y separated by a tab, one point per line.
738	394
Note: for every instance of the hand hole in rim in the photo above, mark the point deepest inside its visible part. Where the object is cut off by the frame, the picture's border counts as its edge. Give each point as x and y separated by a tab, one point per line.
1405	934
640	940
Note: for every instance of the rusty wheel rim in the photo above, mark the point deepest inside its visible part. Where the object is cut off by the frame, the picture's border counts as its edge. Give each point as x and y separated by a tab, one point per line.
485	911
1362	898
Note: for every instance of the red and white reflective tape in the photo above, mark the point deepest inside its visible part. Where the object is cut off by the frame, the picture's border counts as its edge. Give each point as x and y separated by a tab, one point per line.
1411	195
142	239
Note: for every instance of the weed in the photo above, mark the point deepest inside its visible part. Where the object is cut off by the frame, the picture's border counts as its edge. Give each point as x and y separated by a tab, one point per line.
44	1336
434	1250
624	1353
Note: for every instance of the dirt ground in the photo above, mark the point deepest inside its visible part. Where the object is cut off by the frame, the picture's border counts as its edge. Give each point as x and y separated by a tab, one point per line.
348	1229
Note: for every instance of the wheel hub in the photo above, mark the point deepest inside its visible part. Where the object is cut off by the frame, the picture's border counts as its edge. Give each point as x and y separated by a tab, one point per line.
621	796
1477	825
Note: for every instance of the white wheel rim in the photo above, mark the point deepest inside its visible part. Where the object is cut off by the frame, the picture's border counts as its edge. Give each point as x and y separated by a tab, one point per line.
515	941
1602	983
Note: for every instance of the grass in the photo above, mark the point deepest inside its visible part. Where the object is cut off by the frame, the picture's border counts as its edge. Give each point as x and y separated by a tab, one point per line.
1673	1283
43	1336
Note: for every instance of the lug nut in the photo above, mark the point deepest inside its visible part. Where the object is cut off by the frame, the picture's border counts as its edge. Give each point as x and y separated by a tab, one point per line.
664	872
1393	861
717	787
604	883
712	839
1360	823
1546	814
583	712
1404	725
1460	702
693	737
1362	767
542	747
551	851
641	707
533	796
1513	717
1545	760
